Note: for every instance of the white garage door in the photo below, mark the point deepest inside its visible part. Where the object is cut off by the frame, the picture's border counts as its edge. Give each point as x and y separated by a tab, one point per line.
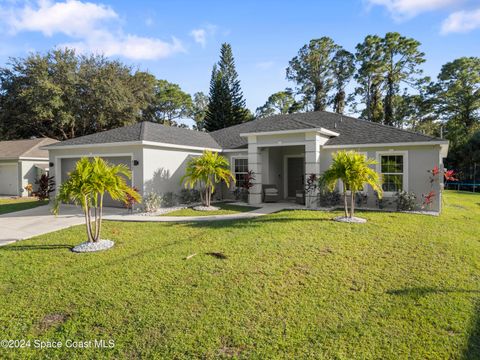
68	165
9	179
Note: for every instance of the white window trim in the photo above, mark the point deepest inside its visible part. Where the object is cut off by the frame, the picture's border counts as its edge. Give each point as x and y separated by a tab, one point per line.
232	167
379	155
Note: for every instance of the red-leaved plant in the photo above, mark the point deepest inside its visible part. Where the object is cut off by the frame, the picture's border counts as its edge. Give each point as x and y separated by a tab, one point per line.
448	175
130	200
311	183
248	180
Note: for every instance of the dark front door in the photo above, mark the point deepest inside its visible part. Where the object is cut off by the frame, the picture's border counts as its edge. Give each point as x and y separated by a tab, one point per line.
295	175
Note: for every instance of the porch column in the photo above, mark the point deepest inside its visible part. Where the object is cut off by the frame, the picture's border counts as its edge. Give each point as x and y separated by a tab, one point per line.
255	165
312	165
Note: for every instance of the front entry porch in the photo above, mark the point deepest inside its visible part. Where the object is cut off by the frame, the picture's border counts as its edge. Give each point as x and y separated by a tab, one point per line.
280	175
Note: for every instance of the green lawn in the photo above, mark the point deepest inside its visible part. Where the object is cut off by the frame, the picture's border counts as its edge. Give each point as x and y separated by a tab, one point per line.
289	285
8	205
225	209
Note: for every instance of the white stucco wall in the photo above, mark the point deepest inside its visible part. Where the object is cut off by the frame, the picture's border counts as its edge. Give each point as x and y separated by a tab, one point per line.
28	174
134	151
163	168
420	160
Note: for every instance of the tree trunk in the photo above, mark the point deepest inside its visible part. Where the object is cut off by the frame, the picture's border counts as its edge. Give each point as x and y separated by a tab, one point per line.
352	205
318	104
86	211
89	223
98	221
345	201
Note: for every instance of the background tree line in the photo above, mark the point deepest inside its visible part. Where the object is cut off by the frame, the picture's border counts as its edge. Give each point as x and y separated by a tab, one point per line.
63	95
383	81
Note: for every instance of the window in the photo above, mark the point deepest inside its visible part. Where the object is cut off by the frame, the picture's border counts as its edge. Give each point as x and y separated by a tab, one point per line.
240	170
392	170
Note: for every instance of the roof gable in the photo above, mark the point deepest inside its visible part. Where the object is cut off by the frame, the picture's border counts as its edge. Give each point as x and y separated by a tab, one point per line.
146	131
26	148
351	130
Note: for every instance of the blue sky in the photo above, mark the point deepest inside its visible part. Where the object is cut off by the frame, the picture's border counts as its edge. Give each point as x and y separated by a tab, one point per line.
180	40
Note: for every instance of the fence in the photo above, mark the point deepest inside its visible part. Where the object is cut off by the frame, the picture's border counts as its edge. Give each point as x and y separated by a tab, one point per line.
463	186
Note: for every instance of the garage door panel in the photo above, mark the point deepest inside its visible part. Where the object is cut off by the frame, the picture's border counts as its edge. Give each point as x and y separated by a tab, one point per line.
68	165
9	179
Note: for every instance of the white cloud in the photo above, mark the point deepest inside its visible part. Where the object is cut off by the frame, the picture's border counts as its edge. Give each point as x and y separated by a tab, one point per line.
404	9
461	22
92	27
200	36
73	18
129	46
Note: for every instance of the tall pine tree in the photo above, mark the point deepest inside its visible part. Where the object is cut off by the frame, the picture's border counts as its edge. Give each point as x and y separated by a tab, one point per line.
226	105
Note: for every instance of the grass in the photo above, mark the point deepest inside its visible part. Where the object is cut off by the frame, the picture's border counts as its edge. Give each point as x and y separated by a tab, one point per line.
225	209
8	205
288	285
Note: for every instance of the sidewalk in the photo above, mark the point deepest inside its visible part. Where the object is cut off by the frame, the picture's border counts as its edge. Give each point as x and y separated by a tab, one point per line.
264	210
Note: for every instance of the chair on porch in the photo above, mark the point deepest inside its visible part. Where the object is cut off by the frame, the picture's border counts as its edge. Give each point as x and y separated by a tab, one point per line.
270	193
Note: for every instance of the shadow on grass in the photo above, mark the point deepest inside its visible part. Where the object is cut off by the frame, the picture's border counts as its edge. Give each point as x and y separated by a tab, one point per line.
239	223
35	247
217	255
472	350
423	291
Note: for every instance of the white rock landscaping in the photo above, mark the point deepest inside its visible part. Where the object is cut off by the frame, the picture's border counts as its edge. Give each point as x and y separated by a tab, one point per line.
93	246
353	220
206	208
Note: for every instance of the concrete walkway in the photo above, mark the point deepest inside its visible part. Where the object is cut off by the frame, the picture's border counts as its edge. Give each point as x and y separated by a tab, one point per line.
25	224
264	210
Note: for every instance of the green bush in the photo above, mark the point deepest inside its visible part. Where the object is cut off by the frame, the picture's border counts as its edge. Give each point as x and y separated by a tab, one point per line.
152	202
406	201
329	198
188	196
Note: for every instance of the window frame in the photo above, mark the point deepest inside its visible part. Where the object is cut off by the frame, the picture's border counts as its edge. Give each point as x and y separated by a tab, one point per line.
232	168
404	173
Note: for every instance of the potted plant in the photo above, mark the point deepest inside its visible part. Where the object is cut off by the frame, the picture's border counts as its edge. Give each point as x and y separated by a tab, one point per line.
87	186
29	189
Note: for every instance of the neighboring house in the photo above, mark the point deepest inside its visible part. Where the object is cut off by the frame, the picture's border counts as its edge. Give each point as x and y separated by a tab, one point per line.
21	163
281	150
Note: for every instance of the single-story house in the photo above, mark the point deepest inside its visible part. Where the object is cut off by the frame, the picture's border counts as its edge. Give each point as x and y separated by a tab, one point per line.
282	151
22	162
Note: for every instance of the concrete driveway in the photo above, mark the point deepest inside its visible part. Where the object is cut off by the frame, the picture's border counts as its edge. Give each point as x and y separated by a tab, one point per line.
25	224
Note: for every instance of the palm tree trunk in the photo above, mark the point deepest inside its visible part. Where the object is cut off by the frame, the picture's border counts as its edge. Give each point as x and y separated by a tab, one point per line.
98	221
352	205
88	221
345	202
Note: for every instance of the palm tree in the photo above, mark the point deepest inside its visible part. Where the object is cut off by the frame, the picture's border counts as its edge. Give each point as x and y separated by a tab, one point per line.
354	170
206	171
87	186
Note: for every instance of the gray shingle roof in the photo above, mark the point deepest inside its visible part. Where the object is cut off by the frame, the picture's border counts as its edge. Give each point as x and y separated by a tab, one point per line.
29	148
352	131
146	131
